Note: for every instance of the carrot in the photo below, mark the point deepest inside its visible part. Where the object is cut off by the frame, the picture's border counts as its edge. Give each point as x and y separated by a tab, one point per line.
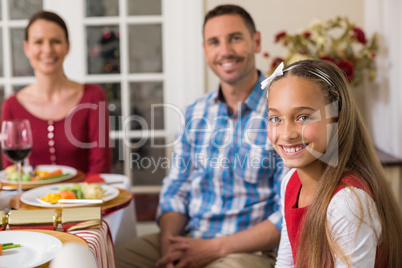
50	174
67	195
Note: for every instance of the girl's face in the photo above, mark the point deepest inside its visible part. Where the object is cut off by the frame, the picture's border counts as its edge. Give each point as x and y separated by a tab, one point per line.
46	46
297	122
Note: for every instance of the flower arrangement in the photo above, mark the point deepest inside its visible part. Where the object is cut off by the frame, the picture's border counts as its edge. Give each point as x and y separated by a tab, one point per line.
339	41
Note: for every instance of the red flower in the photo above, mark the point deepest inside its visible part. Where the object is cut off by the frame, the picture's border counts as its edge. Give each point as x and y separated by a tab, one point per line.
307	34
279	36
328	58
359	35
276	62
347	68
106	35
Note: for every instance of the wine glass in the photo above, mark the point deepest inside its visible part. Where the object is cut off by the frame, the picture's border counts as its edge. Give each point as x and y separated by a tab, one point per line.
16	143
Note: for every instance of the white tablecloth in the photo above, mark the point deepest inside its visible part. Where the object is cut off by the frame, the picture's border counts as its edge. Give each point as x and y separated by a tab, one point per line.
123	222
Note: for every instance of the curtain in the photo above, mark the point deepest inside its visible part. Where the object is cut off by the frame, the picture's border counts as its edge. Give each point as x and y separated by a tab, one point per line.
384	96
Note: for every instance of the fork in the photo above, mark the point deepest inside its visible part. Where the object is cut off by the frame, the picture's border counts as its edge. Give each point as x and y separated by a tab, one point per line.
79	201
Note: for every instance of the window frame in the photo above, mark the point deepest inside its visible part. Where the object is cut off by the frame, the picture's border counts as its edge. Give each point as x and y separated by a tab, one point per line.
183	62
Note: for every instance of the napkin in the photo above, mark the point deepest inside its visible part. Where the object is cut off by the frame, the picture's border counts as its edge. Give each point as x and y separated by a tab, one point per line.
93	178
100	243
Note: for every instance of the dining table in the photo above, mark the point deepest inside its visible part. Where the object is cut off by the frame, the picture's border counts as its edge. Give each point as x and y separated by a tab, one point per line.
118	218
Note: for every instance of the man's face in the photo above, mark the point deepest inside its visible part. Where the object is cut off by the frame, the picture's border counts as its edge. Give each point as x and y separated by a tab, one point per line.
229	48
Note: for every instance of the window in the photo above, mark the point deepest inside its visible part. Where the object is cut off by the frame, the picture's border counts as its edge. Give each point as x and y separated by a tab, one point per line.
143	53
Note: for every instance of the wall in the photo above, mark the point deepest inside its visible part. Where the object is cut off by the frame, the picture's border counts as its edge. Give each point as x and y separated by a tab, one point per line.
273	16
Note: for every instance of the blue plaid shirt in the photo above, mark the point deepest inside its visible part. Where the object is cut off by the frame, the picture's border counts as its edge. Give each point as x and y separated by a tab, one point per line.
225	174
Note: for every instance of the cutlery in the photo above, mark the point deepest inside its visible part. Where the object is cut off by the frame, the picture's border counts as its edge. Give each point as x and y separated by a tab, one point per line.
113	182
79	201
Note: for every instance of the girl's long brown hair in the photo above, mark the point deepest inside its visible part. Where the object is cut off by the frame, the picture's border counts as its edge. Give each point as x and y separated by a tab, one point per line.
354	152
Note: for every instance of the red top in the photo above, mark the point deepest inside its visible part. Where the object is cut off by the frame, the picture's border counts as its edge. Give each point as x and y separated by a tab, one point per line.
81	140
294	216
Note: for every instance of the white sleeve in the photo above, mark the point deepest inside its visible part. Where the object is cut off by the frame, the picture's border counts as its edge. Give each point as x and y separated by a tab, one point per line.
285	256
356	231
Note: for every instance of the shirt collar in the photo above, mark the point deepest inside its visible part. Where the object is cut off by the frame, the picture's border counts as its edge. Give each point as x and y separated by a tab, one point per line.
252	100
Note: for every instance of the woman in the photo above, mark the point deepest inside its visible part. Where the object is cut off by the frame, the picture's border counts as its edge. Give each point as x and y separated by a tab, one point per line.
338	208
69	120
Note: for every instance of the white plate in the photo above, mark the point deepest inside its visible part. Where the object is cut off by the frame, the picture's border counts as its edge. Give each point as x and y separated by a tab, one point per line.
32	197
48	168
36	249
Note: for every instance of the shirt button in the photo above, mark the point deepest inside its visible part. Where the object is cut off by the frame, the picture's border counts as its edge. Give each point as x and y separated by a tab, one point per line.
52	150
53	158
50	128
50	135
51	143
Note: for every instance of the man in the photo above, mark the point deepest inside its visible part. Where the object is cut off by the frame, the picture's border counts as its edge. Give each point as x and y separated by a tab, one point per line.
219	204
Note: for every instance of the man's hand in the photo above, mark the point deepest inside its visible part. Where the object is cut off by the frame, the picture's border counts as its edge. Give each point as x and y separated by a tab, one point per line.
171	252
180	251
172	224
190	252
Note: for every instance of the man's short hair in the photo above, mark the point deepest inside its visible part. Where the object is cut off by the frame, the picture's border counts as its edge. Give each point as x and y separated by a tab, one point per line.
231	10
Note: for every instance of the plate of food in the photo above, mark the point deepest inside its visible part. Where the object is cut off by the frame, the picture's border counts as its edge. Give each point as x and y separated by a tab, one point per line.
69	195
40	175
32	248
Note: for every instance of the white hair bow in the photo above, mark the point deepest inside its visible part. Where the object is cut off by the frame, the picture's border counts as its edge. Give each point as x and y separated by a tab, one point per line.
278	72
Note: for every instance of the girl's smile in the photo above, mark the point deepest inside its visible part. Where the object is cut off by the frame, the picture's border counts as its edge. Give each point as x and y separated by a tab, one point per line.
292	150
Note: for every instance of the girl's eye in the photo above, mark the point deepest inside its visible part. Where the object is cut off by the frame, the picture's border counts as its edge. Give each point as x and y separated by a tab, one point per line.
304	118
274	119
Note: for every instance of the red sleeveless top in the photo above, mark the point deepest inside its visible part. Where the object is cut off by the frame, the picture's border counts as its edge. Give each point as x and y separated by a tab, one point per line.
294	216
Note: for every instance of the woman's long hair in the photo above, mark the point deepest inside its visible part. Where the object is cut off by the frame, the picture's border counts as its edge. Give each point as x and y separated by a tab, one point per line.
352	150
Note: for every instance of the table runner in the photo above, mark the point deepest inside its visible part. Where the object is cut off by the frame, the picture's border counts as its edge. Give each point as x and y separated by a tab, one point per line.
100	243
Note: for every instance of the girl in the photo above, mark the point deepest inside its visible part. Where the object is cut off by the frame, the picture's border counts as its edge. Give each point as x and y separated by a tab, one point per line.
338	209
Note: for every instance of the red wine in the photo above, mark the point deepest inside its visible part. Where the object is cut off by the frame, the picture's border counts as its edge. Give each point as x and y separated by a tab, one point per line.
16	155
